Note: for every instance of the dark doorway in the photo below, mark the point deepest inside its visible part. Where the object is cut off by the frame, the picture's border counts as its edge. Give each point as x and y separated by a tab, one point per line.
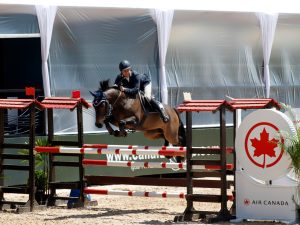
20	67
20	64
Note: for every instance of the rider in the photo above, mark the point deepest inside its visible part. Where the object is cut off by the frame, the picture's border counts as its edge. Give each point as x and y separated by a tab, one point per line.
130	82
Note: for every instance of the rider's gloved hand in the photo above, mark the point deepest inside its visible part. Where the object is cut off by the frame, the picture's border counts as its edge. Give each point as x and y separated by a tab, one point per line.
122	88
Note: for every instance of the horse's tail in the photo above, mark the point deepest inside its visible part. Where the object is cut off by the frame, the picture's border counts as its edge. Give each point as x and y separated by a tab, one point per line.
181	131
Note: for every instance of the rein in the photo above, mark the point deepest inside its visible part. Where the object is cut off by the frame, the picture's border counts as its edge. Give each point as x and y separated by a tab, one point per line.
120	93
110	106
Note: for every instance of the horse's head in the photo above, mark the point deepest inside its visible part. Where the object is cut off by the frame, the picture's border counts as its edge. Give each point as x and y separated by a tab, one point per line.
101	106
104	100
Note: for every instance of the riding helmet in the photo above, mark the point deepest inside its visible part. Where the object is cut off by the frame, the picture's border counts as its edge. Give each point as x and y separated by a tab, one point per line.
125	64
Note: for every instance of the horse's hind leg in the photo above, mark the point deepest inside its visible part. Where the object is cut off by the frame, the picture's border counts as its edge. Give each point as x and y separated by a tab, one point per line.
153	134
171	137
174	132
166	142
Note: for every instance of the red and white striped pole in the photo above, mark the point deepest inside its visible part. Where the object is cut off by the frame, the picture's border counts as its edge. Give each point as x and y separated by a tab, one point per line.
121	150
133	164
151	194
134	193
159	165
112	150
107	146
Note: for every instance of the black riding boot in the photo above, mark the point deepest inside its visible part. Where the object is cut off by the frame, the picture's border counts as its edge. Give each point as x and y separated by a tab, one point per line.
160	108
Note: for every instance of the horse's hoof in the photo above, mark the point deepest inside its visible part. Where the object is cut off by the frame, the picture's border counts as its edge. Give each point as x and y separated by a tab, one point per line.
117	133
123	134
180	159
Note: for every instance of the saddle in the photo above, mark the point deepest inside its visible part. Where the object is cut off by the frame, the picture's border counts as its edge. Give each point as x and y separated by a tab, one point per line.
146	104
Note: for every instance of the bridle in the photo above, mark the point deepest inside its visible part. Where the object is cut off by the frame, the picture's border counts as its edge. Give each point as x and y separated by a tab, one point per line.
99	101
109	107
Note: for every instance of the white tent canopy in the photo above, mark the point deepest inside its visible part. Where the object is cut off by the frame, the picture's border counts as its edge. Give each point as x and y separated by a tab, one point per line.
242	54
268	6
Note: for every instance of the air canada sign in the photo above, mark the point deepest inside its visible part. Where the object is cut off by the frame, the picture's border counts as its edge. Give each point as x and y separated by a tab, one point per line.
258	148
249	202
264	188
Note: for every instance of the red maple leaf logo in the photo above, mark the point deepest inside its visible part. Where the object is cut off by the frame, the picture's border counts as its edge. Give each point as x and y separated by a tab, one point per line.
264	146
247	201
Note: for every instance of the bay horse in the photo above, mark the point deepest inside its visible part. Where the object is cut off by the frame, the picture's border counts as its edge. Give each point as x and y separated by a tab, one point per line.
113	107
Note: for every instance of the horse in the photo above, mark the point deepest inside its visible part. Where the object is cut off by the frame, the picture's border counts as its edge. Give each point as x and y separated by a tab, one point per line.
112	106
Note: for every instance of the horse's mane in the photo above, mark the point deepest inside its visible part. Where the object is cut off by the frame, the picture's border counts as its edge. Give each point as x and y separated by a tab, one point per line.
104	85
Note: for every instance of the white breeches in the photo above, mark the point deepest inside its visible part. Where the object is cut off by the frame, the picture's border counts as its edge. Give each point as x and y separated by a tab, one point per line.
148	90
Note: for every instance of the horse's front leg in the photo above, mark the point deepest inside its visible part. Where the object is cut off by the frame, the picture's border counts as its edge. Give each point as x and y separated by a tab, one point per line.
109	128
116	133
132	121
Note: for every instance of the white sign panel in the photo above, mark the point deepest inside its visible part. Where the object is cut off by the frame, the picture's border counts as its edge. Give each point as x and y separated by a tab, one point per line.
258	148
